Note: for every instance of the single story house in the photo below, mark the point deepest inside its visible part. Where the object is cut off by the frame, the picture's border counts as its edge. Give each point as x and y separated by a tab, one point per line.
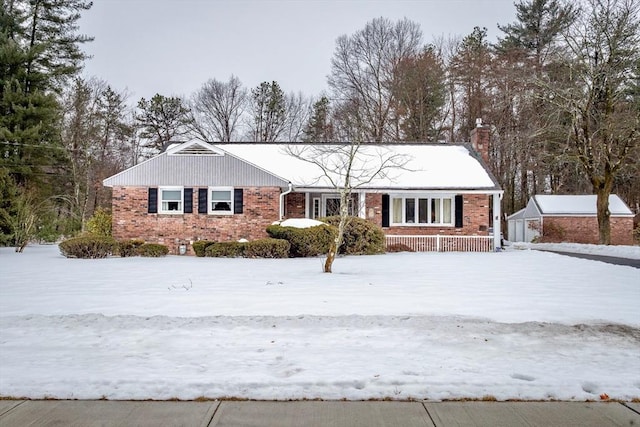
569	218
200	191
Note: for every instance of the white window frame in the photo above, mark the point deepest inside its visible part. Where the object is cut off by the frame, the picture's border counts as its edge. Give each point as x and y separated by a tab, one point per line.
325	199
416	198
353	208
316	211
161	191
210	200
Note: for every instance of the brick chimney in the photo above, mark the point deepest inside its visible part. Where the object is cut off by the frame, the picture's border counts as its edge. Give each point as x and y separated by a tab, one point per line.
480	138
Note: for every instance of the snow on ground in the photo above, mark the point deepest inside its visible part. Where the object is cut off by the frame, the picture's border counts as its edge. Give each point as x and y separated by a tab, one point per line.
631	252
517	324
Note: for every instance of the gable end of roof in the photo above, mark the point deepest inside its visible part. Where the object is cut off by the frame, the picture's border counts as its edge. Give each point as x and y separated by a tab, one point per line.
194	147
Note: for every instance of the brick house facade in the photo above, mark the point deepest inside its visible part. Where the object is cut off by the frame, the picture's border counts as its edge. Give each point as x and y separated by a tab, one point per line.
197	191
131	219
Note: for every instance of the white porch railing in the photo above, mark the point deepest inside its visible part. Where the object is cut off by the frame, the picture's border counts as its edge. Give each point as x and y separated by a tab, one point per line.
440	243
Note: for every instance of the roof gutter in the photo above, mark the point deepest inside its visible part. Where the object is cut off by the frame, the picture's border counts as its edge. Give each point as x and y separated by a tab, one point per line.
282	200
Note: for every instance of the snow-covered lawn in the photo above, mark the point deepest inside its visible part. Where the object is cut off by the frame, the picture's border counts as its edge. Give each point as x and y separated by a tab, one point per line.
631	252
519	324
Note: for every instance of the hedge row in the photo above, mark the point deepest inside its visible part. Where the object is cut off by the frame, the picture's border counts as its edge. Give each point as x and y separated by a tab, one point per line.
361	237
262	248
88	247
93	247
200	246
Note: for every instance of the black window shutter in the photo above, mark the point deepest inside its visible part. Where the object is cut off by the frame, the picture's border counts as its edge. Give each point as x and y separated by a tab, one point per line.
238	198
188	200
459	215
152	205
202	200
385	210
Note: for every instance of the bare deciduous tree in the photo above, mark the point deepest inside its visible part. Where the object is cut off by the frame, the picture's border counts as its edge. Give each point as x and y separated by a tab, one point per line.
347	167
363	70
217	108
97	135
298	111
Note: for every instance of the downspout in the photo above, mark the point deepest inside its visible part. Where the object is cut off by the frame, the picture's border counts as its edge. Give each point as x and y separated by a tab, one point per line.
497	225
282	200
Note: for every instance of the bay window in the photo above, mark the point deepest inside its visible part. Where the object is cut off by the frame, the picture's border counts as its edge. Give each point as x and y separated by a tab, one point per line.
421	210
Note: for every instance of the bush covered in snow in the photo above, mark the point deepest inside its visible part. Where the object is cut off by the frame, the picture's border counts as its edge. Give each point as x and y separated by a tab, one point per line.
88	247
200	246
305	242
361	237
153	250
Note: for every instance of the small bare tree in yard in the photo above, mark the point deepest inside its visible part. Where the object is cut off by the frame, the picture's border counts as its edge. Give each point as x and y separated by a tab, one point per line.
347	167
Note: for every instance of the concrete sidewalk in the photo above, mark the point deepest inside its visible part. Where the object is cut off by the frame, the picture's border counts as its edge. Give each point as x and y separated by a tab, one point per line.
89	413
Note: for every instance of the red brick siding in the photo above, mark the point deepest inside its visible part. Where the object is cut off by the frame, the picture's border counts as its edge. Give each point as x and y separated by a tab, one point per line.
480	140
373	208
475	220
131	220
295	205
585	230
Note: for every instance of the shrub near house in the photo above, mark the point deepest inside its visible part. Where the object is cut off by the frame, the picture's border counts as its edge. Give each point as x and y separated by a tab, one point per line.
304	242
361	237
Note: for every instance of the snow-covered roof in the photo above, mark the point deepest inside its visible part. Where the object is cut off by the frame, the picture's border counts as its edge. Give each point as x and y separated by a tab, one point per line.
416	167
424	166
578	205
517	215
195	163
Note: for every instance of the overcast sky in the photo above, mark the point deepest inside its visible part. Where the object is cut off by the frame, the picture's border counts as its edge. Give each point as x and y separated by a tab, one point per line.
172	47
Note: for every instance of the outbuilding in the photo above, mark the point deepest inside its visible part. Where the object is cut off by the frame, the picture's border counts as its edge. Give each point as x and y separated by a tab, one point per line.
569	218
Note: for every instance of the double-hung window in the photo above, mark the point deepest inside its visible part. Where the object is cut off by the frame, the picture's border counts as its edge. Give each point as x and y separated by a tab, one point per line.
221	200
171	199
422	210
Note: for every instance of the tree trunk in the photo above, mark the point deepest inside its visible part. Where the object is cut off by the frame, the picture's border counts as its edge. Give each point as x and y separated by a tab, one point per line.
331	256
602	187
344	216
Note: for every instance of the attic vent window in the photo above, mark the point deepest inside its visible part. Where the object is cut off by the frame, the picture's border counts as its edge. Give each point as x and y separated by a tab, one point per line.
195	150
